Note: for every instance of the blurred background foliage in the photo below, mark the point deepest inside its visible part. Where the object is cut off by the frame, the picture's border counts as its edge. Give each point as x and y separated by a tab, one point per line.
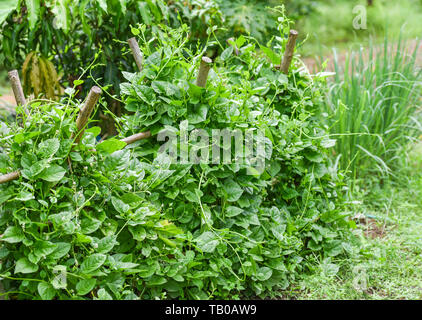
69	33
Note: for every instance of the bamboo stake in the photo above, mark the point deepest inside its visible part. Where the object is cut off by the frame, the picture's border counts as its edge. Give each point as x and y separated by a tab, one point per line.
86	111
17	88
9	177
129	140
137	137
288	53
204	68
136	51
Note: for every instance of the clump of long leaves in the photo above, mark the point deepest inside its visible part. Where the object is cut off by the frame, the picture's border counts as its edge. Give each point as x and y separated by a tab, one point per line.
373	107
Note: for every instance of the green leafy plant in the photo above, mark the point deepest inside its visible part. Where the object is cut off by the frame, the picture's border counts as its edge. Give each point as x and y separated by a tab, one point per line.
253	230
110	221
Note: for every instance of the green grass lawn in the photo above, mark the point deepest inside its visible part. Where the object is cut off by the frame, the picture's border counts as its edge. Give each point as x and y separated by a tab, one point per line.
389	262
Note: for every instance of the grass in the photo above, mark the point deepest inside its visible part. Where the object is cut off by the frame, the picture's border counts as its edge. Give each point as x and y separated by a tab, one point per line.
373	107
389	262
331	24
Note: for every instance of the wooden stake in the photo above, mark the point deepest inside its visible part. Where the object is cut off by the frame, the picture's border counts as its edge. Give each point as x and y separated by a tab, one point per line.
136	51
204	68
17	89
9	177
86	111
288	53
137	137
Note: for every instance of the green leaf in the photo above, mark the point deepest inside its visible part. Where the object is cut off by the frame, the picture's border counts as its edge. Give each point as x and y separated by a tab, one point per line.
23	265
93	262
94	130
21	137
105	244
264	273
104	295
85	26
111	145
328	143
145	93
24	196
44	248
165	87
46	291
13	235
145	14
84	286
330	269
62	248
207	241
119	205
53	173
198	115
48	148
233	190
123	5
314	156
61	12
4	197
157	281
275	59
232	211
77	82
6	7
138	232
75	156
89	225
240	41
226	53
35	169
278	231
103	5
33	7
